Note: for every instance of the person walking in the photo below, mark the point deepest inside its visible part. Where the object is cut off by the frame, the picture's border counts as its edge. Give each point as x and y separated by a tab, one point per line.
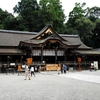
27	72
32	71
65	68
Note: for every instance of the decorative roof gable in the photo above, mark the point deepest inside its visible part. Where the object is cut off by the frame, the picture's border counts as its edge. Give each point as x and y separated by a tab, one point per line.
46	32
46	35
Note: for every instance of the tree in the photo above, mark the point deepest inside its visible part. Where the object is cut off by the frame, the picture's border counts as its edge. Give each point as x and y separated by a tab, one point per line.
93	13
9	22
77	12
79	24
96	36
85	27
1	19
35	16
28	12
5	19
51	12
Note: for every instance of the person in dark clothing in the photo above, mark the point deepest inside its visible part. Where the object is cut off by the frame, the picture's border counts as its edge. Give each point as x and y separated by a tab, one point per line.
61	68
65	68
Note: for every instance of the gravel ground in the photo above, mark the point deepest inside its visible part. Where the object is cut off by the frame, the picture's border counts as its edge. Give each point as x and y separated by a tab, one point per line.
49	86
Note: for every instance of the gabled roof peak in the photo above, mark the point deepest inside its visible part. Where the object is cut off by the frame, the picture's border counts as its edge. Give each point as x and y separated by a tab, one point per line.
46	32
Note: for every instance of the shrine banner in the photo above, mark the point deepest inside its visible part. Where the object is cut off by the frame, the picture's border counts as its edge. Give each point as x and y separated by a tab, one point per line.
96	64
19	68
29	60
79	59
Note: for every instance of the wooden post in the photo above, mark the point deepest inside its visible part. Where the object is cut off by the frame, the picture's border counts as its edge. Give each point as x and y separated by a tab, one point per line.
41	54
79	62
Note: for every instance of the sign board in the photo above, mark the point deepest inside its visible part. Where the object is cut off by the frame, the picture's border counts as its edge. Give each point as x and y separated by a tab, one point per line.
96	64
23	66
12	64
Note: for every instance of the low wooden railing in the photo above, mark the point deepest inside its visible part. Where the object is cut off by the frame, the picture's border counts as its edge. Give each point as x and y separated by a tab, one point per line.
75	63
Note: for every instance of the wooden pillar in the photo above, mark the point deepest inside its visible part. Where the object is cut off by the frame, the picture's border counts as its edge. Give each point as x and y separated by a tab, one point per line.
56	55
65	55
42	53
21	59
8	57
0	65
79	63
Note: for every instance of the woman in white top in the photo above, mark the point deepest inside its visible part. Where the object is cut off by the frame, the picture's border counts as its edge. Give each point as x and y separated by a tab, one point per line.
32	71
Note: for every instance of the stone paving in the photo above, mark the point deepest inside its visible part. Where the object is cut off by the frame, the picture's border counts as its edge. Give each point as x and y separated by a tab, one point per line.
93	76
50	86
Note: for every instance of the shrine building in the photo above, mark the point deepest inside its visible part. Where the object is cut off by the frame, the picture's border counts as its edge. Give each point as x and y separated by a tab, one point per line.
45	47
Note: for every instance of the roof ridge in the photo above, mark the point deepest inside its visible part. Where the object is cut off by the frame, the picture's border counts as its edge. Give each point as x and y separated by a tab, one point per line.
18	32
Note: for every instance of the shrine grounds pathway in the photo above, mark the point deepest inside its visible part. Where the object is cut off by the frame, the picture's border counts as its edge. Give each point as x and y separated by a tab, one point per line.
83	85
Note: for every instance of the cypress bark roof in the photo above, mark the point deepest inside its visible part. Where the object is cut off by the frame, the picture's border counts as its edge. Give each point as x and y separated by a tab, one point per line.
9	51
13	38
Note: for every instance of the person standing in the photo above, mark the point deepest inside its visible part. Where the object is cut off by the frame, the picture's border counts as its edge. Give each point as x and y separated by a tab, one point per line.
39	69
32	71
62	68
27	71
58	68
65	68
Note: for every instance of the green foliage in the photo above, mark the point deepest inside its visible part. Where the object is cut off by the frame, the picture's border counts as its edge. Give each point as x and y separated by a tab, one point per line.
78	23
85	28
96	36
5	18
93	13
28	10
1	26
35	16
78	11
51	12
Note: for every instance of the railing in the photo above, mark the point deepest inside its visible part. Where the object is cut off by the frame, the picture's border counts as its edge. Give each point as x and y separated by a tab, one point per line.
38	63
75	63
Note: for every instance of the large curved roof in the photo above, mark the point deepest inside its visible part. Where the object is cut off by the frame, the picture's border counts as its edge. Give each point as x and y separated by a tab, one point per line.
13	38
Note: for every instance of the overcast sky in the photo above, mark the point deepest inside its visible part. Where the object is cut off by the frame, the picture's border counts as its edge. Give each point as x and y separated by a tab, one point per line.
67	5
